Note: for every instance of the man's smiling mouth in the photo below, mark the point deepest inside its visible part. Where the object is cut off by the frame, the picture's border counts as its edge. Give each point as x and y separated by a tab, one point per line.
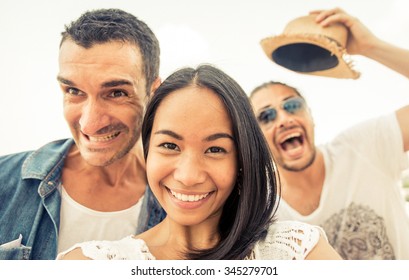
104	138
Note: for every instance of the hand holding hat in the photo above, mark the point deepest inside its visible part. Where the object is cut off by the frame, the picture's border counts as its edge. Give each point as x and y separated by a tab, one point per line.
360	38
317	44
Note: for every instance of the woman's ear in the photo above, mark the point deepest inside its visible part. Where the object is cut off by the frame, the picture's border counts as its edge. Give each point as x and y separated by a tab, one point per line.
155	85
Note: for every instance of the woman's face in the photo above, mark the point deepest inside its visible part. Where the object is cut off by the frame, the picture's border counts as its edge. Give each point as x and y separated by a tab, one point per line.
192	159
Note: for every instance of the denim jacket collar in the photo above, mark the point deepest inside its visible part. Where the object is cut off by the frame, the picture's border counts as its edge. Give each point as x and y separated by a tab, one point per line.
46	165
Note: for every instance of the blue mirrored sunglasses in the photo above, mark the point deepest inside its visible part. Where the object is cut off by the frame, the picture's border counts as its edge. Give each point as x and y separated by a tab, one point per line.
291	106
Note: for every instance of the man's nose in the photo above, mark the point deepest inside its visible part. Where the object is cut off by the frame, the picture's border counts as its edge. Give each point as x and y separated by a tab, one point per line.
284	118
93	117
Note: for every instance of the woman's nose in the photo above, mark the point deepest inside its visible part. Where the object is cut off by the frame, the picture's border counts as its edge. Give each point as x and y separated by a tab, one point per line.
189	170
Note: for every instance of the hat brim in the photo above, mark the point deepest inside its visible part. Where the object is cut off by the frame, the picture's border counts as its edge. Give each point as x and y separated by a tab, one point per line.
309	54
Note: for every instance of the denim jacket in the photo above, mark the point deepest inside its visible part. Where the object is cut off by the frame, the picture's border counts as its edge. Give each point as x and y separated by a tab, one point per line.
30	202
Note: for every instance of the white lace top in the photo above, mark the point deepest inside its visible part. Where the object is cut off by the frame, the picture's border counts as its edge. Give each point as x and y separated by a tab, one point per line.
287	240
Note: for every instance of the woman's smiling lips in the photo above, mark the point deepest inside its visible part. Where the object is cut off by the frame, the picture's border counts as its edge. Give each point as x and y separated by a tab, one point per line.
189	197
189	201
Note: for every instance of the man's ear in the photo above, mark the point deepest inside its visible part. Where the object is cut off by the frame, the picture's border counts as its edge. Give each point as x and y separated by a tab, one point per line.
155	85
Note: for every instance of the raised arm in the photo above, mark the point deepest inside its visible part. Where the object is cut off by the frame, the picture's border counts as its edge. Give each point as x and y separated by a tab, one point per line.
363	42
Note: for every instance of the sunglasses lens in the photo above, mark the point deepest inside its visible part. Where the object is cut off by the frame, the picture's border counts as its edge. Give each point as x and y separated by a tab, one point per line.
267	115
293	105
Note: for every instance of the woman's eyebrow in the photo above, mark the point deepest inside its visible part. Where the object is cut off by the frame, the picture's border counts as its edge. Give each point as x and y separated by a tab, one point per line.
207	139
169	133
218	136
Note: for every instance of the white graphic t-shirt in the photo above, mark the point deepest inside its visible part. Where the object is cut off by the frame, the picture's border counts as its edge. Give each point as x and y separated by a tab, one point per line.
361	208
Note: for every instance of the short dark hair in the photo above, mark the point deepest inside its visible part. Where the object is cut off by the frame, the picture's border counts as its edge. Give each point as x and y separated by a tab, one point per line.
250	207
272	83
107	25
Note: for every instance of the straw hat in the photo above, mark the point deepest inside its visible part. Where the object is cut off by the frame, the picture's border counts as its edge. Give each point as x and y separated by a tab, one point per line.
307	47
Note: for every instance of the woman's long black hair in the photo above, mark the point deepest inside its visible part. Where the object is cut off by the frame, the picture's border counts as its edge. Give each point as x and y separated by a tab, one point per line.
249	209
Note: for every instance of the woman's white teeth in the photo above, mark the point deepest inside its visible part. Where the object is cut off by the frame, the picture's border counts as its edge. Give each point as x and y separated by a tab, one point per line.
188	197
103	138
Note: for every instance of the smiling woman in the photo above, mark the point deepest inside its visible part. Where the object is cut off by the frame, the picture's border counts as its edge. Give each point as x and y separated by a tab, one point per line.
192	157
210	169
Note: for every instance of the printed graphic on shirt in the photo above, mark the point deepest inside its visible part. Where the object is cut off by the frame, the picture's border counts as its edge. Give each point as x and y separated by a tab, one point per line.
358	233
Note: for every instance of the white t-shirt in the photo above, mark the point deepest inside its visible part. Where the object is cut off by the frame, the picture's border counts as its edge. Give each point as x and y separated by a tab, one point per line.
361	208
287	240
79	223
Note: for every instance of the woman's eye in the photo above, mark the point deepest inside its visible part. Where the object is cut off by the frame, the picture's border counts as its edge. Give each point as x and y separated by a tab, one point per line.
118	93
216	150
169	146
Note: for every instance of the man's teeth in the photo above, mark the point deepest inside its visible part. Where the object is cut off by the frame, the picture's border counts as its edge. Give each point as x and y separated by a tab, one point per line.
103	138
292	135
187	197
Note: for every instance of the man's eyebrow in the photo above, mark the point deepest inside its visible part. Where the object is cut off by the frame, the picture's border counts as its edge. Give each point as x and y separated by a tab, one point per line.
65	81
264	107
109	84
115	83
269	105
169	133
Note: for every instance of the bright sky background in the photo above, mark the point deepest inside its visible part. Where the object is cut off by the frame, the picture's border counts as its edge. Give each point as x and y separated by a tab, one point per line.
223	32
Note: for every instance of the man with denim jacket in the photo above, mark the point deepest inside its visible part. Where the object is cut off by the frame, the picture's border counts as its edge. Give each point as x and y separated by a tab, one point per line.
94	185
